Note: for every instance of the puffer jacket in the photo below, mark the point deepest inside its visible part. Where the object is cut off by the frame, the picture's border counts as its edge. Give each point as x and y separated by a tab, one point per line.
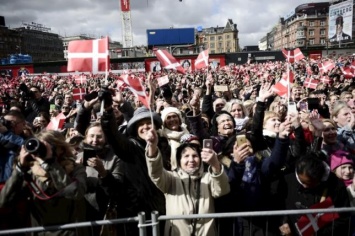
186	194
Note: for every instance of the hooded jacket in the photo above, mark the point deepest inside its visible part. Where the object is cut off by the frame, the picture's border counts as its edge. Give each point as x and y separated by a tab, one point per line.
182	196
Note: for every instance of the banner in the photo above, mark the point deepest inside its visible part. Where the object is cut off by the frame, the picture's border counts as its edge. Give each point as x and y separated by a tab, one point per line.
340	22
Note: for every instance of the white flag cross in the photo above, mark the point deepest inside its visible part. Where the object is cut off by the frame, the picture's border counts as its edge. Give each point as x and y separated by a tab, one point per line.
170	64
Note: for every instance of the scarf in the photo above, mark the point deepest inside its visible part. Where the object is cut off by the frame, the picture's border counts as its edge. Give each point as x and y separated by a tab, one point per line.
269	133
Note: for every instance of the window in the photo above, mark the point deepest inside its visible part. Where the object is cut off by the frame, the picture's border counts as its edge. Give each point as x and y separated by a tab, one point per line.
311	41
311	23
322	41
227	36
300	33
212	38
322	32
211	45
311	33
322	23
220	38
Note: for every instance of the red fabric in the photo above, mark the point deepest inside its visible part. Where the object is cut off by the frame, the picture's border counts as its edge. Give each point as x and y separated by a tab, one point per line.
293	55
202	60
347	71
310	83
79	93
163	80
136	87
80	79
57	122
168	61
326	66
88	55
308	224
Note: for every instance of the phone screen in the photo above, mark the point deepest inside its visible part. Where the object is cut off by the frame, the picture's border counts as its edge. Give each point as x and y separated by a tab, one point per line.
292	107
88	153
303	106
241	139
313	103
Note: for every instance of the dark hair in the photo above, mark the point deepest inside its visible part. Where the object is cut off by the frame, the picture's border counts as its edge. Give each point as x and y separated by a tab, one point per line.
16	114
312	165
214	128
183	146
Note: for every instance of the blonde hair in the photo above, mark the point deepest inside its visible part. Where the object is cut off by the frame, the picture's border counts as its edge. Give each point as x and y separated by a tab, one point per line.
57	140
229	105
337	107
268	115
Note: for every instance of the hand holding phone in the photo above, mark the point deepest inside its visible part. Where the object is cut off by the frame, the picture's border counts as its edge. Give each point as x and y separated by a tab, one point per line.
208	143
88	153
292	108
241	139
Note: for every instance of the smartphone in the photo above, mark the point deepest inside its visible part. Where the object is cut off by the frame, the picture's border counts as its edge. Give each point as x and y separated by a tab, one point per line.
241	139
52	107
91	96
303	106
88	153
313	103
292	108
208	143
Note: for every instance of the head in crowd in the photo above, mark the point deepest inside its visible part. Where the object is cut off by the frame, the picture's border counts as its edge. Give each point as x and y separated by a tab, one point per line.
189	138
65	109
223	124
60	148
296	92
137	102
58	101
141	123
219	104
42	120
351	105
341	114
172	118
279	108
342	165
68	98
188	156
94	136
17	121
236	109
249	107
311	170
346	96
76	143
332	100
329	132
271	122
37	92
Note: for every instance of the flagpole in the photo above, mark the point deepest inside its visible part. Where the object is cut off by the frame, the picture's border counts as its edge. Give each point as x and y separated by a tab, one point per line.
288	83
106	79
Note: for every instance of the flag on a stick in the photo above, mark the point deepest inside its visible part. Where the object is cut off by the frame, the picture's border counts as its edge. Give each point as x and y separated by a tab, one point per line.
169	62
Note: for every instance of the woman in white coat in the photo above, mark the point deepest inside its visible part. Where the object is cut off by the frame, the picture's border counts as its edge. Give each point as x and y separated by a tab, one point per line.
188	190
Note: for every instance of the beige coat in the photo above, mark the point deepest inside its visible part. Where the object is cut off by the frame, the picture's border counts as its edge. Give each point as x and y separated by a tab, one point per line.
180	194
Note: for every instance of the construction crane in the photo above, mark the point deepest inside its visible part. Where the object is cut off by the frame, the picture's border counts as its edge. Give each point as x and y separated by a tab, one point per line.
127	37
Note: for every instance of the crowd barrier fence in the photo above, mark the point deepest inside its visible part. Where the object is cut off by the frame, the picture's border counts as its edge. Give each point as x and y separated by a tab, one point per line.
142	223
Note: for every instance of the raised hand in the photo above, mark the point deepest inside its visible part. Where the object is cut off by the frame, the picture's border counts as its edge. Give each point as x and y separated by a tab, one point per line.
265	92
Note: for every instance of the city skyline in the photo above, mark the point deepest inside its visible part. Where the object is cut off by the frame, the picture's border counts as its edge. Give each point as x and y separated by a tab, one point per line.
67	18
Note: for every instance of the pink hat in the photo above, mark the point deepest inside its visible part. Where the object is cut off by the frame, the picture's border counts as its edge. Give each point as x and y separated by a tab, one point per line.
339	158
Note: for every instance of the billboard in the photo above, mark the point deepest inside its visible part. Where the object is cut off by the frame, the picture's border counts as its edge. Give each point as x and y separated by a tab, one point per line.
340	22
177	36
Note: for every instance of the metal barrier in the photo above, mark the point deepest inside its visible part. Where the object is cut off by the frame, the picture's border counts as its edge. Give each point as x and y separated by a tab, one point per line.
155	218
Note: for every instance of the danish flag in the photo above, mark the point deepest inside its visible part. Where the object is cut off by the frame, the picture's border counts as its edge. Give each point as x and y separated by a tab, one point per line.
202	60
78	93
310	83
88	55
80	79
325	79
168	61
309	224
348	72
326	66
57	122
281	87
136	87
293	55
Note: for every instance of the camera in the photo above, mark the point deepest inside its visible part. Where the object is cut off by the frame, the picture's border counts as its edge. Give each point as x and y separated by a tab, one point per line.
105	95
36	147
25	92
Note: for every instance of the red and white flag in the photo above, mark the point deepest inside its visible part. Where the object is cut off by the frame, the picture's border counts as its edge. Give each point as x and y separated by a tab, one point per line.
347	71
57	122
310	83
121	85
325	79
326	66
309	224
293	55
136	87
80	79
78	94
88	55
202	60
163	80
168	61
281	87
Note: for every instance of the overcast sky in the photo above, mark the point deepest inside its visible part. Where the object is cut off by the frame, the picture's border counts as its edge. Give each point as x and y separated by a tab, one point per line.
254	18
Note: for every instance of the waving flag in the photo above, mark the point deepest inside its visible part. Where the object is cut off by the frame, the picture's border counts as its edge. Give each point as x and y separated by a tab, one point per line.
80	79
310	83
202	60
168	61
79	93
347	71
293	55
326	66
136	87
57	122
88	55
309	224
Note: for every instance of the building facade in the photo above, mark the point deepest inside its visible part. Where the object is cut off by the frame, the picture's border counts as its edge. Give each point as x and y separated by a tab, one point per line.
219	39
40	43
10	40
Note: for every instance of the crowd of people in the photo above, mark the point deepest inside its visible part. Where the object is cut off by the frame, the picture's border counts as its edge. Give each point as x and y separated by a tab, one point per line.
212	141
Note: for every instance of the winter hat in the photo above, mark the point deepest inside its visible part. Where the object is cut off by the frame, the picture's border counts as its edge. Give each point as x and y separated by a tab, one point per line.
339	158
214	127
186	138
140	114
168	110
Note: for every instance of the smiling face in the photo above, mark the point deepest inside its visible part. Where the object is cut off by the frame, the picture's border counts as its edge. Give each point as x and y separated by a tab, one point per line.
172	121
272	124
143	126
225	125
344	117
190	160
95	137
237	111
329	133
345	171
